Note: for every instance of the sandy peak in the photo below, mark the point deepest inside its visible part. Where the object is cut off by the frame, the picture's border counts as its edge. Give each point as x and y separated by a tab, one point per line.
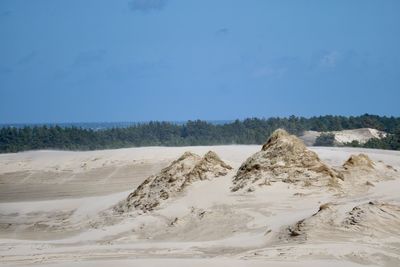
380	218
359	161
173	179
213	158
187	155
285	158
281	137
211	155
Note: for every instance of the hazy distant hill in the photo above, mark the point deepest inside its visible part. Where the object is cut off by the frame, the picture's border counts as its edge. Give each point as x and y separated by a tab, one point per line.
361	135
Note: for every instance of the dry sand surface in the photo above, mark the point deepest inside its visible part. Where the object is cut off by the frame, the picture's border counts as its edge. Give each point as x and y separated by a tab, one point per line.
59	209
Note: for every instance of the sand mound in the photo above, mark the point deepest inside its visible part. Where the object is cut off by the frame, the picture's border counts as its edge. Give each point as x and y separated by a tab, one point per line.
173	179
360	173
360	161
374	218
283	158
361	135
322	218
198	225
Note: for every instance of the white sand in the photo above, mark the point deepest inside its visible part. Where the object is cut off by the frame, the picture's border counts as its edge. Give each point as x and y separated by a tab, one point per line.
52	207
362	135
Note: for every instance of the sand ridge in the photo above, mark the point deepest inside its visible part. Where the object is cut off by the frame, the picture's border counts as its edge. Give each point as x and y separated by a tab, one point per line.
285	158
283	224
173	179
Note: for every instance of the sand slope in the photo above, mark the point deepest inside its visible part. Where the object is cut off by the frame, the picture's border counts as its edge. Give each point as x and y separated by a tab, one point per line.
284	158
207	224
362	135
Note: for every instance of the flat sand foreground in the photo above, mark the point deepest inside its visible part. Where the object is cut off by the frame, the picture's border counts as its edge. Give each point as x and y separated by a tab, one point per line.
53	212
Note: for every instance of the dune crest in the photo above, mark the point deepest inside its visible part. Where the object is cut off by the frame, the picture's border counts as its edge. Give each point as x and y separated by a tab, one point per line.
361	161
360	173
174	179
378	219
285	158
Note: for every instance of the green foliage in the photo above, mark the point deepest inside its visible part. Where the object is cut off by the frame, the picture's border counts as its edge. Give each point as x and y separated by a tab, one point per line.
353	143
248	131
325	139
391	141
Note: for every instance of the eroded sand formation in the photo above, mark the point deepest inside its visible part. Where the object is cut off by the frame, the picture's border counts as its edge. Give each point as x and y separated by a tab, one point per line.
361	135
373	219
200	208
359	172
284	158
360	161
174	179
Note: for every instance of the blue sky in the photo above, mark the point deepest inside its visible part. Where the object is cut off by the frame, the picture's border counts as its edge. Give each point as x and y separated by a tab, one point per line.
140	60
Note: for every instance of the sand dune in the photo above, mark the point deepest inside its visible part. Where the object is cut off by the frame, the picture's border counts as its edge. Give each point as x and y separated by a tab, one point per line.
284	158
362	135
172	180
56	209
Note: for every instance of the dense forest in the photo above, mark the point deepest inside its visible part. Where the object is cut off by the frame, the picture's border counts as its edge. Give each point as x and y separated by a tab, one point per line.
248	131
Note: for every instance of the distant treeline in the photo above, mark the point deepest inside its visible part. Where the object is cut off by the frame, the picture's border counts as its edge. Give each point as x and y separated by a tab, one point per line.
191	133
